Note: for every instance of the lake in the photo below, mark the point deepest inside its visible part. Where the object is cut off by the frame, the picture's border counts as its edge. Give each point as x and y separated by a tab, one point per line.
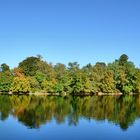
69	118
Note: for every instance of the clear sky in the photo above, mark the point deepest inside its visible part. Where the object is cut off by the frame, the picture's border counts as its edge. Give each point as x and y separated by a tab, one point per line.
69	30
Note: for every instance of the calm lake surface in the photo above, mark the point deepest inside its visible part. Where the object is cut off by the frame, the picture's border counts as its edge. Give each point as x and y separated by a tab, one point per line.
69	118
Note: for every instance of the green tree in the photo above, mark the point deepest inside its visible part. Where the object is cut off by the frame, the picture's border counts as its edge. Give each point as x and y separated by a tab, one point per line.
137	89
124	74
87	86
75	78
40	77
107	83
48	86
96	76
5	67
5	78
30	66
76	83
34	84
123	59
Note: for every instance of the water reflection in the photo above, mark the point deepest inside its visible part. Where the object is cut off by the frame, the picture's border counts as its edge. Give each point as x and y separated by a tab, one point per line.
34	111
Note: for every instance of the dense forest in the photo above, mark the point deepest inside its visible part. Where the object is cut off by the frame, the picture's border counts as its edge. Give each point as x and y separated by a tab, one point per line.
34	75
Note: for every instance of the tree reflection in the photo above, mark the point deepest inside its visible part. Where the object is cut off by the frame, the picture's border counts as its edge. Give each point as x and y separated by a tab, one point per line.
34	111
5	107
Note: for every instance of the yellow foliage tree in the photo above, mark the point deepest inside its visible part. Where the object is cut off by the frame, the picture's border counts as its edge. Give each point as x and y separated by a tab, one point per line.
20	85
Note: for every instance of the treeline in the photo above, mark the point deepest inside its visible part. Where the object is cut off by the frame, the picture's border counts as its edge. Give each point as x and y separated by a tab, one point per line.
35	75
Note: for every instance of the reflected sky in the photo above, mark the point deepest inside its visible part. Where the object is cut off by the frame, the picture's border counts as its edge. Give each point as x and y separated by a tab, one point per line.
12	129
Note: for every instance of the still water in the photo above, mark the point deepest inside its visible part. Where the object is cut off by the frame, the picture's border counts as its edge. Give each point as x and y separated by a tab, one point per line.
69	118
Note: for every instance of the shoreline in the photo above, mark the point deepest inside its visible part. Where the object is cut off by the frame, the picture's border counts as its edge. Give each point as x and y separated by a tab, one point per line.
65	94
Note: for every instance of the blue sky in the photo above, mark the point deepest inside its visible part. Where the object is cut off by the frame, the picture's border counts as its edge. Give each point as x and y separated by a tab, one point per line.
69	30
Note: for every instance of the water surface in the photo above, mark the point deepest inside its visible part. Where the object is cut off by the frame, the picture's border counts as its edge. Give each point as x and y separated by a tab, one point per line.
52	118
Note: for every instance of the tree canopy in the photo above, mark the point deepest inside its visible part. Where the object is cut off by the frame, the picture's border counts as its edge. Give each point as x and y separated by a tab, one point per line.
35	75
